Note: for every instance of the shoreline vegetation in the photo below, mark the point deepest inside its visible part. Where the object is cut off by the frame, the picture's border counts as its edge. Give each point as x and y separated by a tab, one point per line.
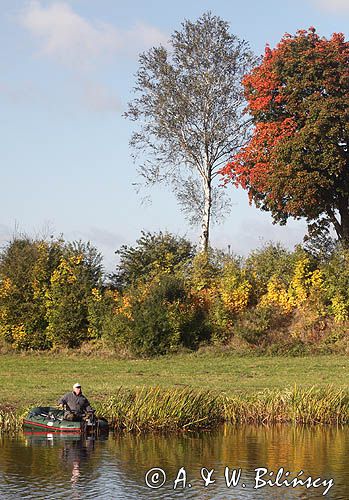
165	297
156	409
187	392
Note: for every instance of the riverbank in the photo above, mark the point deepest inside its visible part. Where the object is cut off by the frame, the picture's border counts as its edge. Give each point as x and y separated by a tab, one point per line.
173	410
42	378
188	391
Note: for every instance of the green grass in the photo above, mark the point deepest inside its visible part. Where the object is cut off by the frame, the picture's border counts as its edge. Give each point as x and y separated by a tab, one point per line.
43	378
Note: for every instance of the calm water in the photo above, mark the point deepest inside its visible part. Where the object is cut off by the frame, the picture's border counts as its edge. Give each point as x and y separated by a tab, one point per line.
46	467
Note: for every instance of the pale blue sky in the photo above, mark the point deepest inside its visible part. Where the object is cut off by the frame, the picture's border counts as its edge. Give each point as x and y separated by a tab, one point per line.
66	75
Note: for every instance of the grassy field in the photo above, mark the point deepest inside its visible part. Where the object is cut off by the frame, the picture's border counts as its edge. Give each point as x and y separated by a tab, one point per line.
32	378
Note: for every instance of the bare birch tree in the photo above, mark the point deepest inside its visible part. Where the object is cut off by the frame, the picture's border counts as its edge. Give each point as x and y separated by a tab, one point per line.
189	104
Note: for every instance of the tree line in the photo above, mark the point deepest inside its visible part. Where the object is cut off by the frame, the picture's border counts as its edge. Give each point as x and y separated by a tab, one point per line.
165	295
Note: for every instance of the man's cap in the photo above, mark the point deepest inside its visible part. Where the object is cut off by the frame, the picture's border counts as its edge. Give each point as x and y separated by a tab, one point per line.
76	386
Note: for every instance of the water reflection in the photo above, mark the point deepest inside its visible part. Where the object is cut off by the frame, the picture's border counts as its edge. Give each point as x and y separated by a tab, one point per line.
52	467
46	465
319	452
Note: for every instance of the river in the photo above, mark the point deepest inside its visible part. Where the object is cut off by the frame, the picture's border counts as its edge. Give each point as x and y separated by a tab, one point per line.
36	466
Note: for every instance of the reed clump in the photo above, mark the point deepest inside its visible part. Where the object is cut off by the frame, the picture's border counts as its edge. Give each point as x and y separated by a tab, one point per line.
156	409
170	410
323	406
297	406
10	421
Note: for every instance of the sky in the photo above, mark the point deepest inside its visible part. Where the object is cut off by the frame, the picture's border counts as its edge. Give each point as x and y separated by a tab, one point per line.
67	70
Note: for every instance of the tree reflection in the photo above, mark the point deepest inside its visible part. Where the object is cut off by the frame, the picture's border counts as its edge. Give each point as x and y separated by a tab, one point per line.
318	451
33	465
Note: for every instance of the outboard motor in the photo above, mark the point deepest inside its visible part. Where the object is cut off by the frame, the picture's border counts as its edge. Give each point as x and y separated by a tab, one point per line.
89	422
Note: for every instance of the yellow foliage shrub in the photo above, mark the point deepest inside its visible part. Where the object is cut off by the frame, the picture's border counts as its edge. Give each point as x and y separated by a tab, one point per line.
5	288
96	294
235	295
19	335
306	288
339	308
277	295
301	283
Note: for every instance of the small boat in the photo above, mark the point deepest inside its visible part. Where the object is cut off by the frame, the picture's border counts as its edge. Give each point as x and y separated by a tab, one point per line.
47	418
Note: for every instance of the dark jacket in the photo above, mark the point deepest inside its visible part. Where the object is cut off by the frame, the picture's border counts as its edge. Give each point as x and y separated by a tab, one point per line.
77	403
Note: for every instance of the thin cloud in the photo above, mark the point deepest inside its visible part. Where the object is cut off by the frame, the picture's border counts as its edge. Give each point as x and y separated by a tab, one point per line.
143	35
83	46
252	234
334	6
68	37
78	42
107	238
19	93
99	98
104	240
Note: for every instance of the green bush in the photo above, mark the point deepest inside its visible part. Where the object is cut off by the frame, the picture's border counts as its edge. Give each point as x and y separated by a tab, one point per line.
160	319
153	254
272	260
73	296
253	325
336	274
25	269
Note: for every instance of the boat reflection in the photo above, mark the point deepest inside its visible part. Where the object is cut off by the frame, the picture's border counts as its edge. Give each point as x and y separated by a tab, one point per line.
75	452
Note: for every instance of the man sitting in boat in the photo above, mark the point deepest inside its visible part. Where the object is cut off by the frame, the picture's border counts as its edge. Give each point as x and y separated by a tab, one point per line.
75	404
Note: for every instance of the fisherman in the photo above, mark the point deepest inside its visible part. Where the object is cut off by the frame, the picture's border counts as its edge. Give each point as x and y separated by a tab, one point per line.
75	404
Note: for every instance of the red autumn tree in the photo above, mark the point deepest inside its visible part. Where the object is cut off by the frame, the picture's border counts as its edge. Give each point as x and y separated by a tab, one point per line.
296	163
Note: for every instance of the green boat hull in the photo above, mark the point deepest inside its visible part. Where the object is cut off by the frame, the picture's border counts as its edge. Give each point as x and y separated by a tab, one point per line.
48	419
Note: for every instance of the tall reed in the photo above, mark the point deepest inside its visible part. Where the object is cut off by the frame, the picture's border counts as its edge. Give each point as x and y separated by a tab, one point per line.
10	421
298	406
157	409
187	409
151	409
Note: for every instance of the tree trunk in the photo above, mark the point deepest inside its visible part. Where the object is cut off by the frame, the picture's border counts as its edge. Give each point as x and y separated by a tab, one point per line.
344	223
205	225
340	222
